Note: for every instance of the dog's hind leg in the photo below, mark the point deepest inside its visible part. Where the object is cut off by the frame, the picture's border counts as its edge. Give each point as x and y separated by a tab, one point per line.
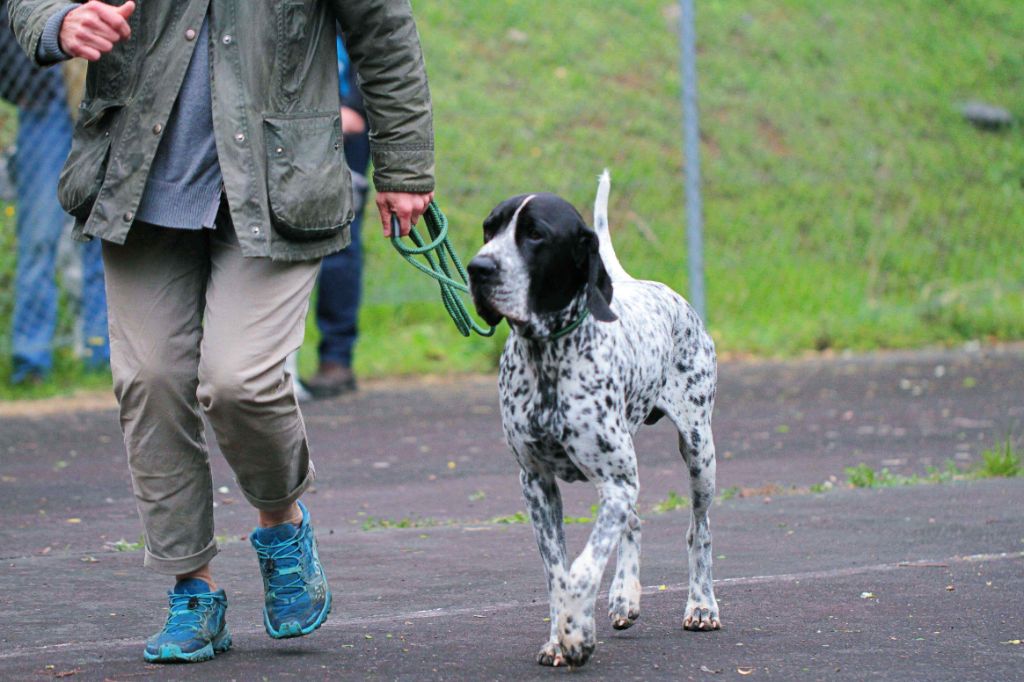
698	449
688	401
624	596
544	502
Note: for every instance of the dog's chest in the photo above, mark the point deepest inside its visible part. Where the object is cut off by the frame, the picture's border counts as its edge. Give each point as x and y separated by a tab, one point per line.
536	415
532	410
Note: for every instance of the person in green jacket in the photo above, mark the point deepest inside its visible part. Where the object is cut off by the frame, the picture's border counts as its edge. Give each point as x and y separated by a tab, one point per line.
208	159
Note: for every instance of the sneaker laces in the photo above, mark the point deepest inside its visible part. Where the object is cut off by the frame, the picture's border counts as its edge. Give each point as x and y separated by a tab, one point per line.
281	561
188	611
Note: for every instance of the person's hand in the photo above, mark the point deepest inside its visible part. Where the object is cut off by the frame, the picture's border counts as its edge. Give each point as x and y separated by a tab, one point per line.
406	205
352	122
90	31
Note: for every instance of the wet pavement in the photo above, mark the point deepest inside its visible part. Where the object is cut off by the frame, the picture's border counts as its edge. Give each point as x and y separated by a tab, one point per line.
436	577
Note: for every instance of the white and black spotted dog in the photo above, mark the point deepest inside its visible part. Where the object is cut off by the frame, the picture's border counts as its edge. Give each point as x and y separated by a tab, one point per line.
581	371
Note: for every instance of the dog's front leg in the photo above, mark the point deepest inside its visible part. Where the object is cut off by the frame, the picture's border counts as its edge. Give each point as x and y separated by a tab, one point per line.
577	631
544	503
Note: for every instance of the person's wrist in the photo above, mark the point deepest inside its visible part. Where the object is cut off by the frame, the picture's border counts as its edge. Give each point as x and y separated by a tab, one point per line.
51	47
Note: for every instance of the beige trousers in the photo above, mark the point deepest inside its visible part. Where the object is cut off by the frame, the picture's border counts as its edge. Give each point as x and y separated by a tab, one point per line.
197	329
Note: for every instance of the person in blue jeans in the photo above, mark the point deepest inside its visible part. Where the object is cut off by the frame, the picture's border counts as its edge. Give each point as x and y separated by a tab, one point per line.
341	274
43	142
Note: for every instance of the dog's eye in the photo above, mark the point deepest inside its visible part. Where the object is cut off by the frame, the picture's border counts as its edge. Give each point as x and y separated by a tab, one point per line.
490	230
531	233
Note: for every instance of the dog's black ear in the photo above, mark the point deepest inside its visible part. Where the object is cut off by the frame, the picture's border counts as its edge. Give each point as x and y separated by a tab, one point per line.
599	284
500	216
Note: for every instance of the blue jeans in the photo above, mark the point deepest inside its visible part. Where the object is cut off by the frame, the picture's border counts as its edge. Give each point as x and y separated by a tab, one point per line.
44	140
340	289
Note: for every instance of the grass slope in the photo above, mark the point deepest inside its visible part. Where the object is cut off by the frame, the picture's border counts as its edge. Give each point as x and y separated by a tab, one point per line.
847	203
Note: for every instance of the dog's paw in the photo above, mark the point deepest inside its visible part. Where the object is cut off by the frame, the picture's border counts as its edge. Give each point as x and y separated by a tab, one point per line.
620	622
577	656
624	605
577	638
701	617
551	655
623	616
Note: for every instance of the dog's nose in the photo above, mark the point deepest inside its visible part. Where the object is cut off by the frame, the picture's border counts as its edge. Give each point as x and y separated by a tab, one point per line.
482	268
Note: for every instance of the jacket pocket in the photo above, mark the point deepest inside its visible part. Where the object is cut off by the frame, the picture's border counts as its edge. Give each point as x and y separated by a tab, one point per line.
308	182
84	171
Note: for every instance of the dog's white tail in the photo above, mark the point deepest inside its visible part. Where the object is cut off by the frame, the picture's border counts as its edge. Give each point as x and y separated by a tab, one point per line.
604	237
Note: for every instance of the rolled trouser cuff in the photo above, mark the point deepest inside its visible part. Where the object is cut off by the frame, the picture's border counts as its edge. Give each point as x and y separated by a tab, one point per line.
181	565
280	503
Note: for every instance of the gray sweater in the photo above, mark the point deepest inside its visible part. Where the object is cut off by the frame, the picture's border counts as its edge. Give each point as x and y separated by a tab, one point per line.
184	186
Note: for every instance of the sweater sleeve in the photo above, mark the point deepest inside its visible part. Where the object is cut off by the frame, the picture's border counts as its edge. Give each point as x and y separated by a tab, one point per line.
29	19
49	51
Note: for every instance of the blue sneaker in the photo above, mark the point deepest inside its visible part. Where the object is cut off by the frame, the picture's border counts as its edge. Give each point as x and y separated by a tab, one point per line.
297	596
195	629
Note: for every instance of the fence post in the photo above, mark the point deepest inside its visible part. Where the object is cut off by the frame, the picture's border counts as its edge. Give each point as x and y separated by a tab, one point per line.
691	152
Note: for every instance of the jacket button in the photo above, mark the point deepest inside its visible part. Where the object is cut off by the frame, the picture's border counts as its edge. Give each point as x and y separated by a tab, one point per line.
239	137
128	217
255	229
190	34
226	39
158	128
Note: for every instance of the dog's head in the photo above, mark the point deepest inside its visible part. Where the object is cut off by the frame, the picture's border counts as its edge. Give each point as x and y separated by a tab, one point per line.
539	256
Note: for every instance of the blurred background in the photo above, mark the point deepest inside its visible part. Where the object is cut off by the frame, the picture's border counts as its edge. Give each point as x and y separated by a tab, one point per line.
855	194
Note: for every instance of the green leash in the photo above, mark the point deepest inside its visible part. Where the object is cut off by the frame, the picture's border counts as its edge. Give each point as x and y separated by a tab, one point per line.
438	252
565	331
442	265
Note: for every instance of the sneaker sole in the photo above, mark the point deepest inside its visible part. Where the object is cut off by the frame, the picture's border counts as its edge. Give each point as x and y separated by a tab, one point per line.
172	653
292	629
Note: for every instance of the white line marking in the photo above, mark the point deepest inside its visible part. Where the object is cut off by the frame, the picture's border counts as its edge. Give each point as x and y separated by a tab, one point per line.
340	624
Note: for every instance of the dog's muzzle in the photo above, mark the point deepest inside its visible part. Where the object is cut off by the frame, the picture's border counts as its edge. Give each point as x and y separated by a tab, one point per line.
483	275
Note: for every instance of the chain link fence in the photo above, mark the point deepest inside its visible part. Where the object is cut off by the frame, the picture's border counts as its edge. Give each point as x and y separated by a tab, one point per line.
53	305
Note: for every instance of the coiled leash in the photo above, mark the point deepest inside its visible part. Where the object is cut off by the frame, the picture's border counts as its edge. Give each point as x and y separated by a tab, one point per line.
441	261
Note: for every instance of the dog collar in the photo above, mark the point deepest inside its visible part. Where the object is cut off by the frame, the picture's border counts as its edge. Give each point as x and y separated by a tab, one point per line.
564	331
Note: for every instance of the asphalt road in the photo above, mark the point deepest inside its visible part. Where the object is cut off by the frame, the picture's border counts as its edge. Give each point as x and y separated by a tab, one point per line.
918	582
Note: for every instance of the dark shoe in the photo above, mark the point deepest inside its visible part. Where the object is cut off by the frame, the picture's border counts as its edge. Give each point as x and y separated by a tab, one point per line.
27	376
332	379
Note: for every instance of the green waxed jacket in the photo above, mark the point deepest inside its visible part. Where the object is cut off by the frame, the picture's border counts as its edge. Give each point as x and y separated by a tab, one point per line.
275	113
